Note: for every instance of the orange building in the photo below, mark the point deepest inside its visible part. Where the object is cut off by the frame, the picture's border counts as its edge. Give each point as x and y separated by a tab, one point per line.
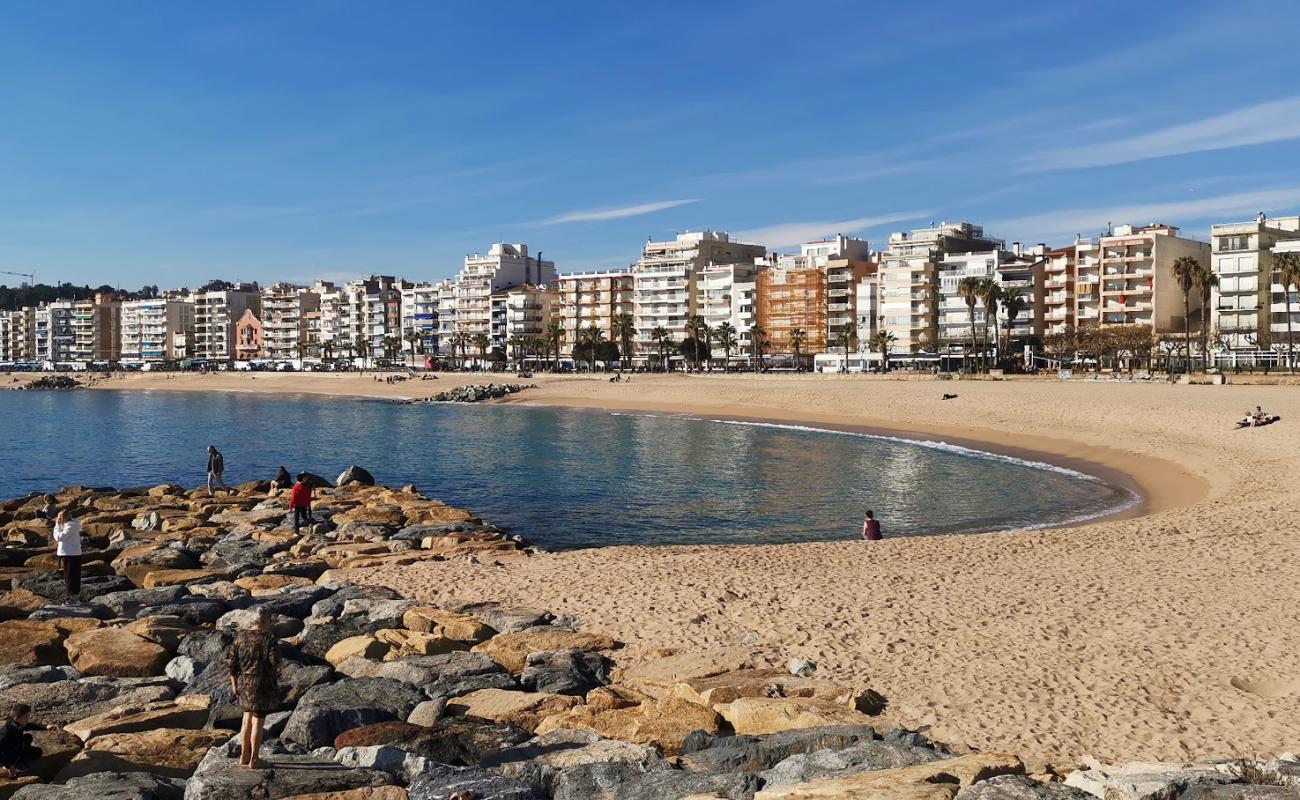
789	298
248	337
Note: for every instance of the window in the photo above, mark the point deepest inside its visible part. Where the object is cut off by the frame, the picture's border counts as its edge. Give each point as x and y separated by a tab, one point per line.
1228	244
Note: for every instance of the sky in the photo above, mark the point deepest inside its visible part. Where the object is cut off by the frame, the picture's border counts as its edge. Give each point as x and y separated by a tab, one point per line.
173	143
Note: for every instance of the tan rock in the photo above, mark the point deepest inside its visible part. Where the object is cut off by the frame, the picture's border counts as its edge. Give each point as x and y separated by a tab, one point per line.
261	585
7	575
463	627
938	780
412	643
511	650
165	632
57	749
187	711
656	677
718	689
402	559
367	647
374	514
170	752
376	793
665	724
524	709
18	603
180	577
115	652
606	698
33	643
757	715
10	786
432	512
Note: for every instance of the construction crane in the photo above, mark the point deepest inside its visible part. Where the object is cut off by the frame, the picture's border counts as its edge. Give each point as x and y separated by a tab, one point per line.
30	276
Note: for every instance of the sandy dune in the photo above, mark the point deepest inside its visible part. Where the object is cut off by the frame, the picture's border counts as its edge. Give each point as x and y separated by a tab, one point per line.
1169	635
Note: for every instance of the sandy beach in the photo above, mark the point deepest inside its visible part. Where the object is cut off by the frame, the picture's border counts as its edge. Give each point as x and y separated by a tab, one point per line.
1169	634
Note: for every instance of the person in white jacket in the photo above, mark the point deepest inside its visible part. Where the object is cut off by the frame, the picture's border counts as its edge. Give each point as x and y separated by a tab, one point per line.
67	535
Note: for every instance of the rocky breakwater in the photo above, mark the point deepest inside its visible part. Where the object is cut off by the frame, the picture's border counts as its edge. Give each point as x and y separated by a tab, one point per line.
387	697
476	393
54	382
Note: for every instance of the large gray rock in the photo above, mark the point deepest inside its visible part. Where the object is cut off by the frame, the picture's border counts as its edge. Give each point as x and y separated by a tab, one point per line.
441	781
108	786
463	741
333	605
1019	787
63	701
445	676
296	602
861	757
1144	781
628	781
323	712
14	675
565	672
232	622
130	602
1237	791
756	753
237	553
540	760
355	474
50	585
195	611
507	620
353	616
294	679
281	774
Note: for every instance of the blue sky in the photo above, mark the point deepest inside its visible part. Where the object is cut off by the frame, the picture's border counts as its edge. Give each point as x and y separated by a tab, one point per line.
170	143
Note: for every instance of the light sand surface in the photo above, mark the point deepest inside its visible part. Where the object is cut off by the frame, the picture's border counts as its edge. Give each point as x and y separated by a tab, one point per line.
1168	635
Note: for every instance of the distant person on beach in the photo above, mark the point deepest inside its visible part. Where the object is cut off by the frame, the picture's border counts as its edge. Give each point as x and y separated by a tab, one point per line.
16	749
216	467
871	528
300	502
254	666
281	480
67	537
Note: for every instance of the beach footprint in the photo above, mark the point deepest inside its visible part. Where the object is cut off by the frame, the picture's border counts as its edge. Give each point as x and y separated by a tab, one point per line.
1267	687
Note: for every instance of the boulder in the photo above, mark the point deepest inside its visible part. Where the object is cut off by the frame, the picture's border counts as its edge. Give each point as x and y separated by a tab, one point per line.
507	620
259	585
1141	781
403	643
129	603
835	763
243	618
727	687
108	786
116	652
1019	787
756	753
511	650
181	577
570	672
185	712
373	793
541	759
665	724
657	676
170	752
280	774
166	632
427	712
757	715
18	603
57	749
32	643
427	619
60	702
355	474
50	584
295	679
367	647
446	676
937	780
441	781
522	709
325	711
465	741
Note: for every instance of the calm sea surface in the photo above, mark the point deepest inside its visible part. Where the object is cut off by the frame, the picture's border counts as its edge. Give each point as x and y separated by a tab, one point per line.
563	479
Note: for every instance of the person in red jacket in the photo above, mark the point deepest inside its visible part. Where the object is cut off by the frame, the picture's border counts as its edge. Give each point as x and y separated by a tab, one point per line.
300	503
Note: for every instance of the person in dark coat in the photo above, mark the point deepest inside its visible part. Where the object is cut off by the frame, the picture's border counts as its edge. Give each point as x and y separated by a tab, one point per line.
16	748
254	665
281	481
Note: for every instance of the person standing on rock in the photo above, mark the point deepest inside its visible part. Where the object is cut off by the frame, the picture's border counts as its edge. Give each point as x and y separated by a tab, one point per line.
300	503
216	467
871	527
67	537
254	665
16	748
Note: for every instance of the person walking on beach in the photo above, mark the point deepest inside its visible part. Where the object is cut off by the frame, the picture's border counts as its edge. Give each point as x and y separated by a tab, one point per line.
67	537
254	665
16	749
300	503
216	467
871	528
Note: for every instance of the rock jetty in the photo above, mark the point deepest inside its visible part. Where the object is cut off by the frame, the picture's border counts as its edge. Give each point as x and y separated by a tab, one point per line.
388	698
57	382
475	393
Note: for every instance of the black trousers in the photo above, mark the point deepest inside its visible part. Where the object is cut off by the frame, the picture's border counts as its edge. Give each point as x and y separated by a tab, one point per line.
71	573
301	516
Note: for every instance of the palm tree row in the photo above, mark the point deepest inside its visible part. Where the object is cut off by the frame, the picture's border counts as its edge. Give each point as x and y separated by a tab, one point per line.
992	296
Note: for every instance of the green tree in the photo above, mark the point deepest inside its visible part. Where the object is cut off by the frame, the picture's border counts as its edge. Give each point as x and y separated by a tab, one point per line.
757	344
482	342
663	341
968	289
846	336
990	295
797	338
1288	274
695	331
363	352
727	341
1184	271
1205	282
1013	303
590	340
554	338
416	341
624	327
883	343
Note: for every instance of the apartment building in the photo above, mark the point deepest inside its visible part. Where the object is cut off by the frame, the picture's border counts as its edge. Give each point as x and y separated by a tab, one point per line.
54	335
249	337
363	314
908	279
286	310
866	307
1137	281
420	315
97	329
727	293
157	329
446	315
791	298
595	298
1249	303
215	314
503	266
521	312
4	337
20	335
665	280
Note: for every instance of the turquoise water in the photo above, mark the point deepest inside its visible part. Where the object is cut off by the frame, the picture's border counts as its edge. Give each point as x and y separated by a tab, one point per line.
561	478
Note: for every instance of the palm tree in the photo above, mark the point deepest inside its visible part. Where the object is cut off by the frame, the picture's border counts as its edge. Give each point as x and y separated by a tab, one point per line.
482	342
707	331
757	343
554	336
392	346
327	349
624	327
990	295
459	341
797	337
661	338
695	330
846	338
1013	302
1288	274
968	289
363	351
1184	271
1205	281
883	342
727	340
593	337
414	339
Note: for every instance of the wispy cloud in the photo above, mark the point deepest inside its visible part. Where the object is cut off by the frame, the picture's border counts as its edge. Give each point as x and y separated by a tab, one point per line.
1274	121
1067	222
602	214
789	234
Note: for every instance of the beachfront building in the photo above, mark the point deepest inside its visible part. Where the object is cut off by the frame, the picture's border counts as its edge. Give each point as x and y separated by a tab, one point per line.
843	277
285	315
909	270
791	296
665	282
595	298
1249	303
53	335
152	329
4	336
446	316
1137	279
366	313
503	266
249	337
20	335
419	318
215	313
521	313
97	329
727	294
866	308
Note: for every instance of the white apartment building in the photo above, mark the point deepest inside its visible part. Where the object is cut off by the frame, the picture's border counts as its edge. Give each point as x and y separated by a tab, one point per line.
521	312
666	276
157	329
954	314
867	309
20	335
1248	299
595	298
215	315
286	311
1071	286
4	336
909	291
373	313
96	329
503	266
726	293
54	337
446	315
420	314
